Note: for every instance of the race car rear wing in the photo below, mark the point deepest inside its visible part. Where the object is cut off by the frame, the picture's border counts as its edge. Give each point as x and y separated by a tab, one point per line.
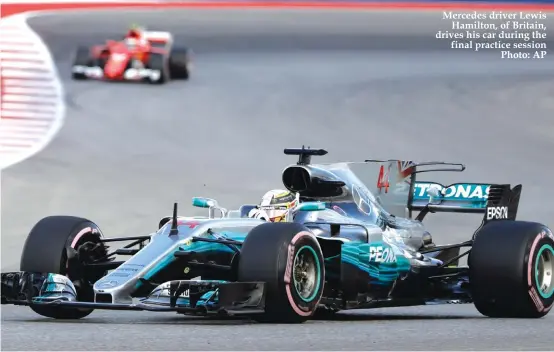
495	201
156	37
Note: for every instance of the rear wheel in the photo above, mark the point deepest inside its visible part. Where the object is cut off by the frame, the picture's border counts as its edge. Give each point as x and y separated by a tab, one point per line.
511	268
64	245
288	258
179	63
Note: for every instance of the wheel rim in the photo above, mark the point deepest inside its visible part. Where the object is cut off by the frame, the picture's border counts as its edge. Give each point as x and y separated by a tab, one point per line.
544	269
306	273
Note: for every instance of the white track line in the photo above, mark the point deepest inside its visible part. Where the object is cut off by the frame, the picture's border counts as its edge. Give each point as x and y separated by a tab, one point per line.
6	55
31	102
28	90
14	82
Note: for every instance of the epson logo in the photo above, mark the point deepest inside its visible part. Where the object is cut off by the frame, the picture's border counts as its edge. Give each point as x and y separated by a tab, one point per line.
497	213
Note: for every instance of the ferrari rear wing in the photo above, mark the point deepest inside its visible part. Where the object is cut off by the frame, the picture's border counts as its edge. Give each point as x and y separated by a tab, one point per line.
159	37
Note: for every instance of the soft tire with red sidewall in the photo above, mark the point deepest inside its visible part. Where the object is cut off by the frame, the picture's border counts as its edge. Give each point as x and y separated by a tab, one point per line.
46	251
503	269
268	255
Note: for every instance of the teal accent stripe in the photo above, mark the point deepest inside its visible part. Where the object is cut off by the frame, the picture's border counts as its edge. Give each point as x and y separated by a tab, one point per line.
194	246
549	293
357	254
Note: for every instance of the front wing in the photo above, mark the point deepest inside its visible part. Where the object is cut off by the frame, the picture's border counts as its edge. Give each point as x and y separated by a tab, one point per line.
203	297
130	74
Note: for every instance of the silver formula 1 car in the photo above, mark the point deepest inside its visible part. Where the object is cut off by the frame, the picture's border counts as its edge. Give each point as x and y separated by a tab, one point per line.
350	242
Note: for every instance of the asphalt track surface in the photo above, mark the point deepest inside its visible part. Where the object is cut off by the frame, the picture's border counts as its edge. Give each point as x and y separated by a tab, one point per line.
362	85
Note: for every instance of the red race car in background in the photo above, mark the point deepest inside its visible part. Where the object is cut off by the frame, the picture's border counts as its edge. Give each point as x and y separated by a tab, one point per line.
141	56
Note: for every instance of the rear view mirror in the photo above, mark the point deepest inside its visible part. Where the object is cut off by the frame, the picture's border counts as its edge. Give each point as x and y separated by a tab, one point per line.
211	204
201	202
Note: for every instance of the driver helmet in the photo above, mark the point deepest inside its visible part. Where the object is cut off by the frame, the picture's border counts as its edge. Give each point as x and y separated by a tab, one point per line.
135	32
274	206
134	36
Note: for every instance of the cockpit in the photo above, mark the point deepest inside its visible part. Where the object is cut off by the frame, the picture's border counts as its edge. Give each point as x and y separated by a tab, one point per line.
356	198
131	43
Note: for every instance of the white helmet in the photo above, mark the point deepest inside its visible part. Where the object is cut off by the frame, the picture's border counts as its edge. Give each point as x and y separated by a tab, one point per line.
274	206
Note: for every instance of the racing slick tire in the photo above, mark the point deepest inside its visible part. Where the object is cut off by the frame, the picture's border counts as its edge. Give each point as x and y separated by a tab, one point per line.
288	258
511	268
179	64
82	58
159	64
61	245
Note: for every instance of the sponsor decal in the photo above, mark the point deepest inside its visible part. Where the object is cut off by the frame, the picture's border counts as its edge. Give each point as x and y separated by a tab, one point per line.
290	261
165	291
457	191
403	170
118	57
107	284
134	73
497	213
125	270
535	297
190	224
89	71
383	179
380	254
116	274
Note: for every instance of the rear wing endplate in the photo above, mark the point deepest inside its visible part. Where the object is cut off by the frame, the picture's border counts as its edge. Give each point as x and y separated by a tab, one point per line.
159	37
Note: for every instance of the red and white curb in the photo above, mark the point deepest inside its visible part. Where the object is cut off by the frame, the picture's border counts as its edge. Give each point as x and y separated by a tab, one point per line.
31	96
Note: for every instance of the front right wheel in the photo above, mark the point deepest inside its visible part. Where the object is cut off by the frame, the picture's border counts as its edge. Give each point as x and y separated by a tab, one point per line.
288	258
